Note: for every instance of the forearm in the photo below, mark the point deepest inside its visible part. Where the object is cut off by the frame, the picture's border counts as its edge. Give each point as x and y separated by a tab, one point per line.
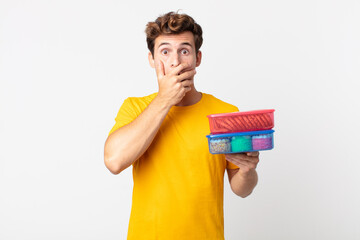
124	146
242	184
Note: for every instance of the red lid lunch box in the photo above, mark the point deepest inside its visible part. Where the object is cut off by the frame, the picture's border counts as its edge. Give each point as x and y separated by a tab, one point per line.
241	121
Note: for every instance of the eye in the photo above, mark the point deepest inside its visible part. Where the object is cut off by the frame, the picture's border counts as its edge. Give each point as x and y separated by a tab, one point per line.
184	51
164	52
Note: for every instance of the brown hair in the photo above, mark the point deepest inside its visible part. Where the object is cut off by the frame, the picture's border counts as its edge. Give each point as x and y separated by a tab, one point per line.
172	23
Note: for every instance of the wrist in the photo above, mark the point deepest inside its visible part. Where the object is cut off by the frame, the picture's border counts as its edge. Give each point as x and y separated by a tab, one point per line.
246	174
161	103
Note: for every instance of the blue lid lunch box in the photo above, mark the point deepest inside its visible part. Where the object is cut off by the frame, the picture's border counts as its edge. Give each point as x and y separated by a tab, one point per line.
241	142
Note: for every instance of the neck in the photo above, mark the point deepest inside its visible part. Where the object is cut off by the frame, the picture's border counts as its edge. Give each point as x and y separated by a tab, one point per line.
191	97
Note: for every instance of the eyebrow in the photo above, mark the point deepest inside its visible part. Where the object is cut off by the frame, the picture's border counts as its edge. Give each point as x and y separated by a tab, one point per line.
184	43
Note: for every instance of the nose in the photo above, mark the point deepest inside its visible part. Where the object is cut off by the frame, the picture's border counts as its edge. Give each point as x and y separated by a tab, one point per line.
175	60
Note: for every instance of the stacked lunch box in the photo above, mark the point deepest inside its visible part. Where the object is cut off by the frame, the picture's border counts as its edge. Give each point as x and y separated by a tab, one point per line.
241	131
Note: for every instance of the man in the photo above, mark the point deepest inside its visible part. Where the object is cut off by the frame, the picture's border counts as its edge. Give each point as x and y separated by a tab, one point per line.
178	184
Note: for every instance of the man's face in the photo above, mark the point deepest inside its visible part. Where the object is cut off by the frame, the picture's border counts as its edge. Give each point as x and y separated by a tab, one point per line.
175	49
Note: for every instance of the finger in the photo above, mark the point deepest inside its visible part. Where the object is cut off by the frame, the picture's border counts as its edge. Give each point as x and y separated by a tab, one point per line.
235	155
240	164
160	69
187	83
252	154
186	86
180	68
242	157
232	159
186	75
246	156
186	69
243	164
237	161
187	89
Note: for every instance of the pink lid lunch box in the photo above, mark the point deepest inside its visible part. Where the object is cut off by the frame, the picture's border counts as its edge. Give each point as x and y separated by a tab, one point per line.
241	121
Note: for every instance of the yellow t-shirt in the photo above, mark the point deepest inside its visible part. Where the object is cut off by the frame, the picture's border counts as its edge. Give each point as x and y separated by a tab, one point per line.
178	184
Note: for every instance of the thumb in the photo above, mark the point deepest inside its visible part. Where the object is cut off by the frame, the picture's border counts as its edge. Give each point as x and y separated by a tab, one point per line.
160	69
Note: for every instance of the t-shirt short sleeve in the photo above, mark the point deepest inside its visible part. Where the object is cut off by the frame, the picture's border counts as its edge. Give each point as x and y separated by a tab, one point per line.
126	115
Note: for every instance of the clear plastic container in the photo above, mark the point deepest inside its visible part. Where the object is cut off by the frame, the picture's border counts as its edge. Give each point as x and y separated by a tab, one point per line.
241	121
241	142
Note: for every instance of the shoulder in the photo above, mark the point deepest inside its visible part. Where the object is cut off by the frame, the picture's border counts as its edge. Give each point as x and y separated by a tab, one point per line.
144	99
136	105
140	101
219	104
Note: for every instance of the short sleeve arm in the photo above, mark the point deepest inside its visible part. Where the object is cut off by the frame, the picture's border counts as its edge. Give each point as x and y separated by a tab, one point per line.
126	115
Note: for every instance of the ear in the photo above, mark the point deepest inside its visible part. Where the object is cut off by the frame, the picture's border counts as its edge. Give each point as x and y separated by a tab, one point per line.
151	60
198	58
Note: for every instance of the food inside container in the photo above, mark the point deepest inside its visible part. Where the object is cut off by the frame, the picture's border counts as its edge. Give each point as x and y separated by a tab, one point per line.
241	142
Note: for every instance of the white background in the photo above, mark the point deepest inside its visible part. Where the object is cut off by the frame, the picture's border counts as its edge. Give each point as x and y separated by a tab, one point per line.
67	66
